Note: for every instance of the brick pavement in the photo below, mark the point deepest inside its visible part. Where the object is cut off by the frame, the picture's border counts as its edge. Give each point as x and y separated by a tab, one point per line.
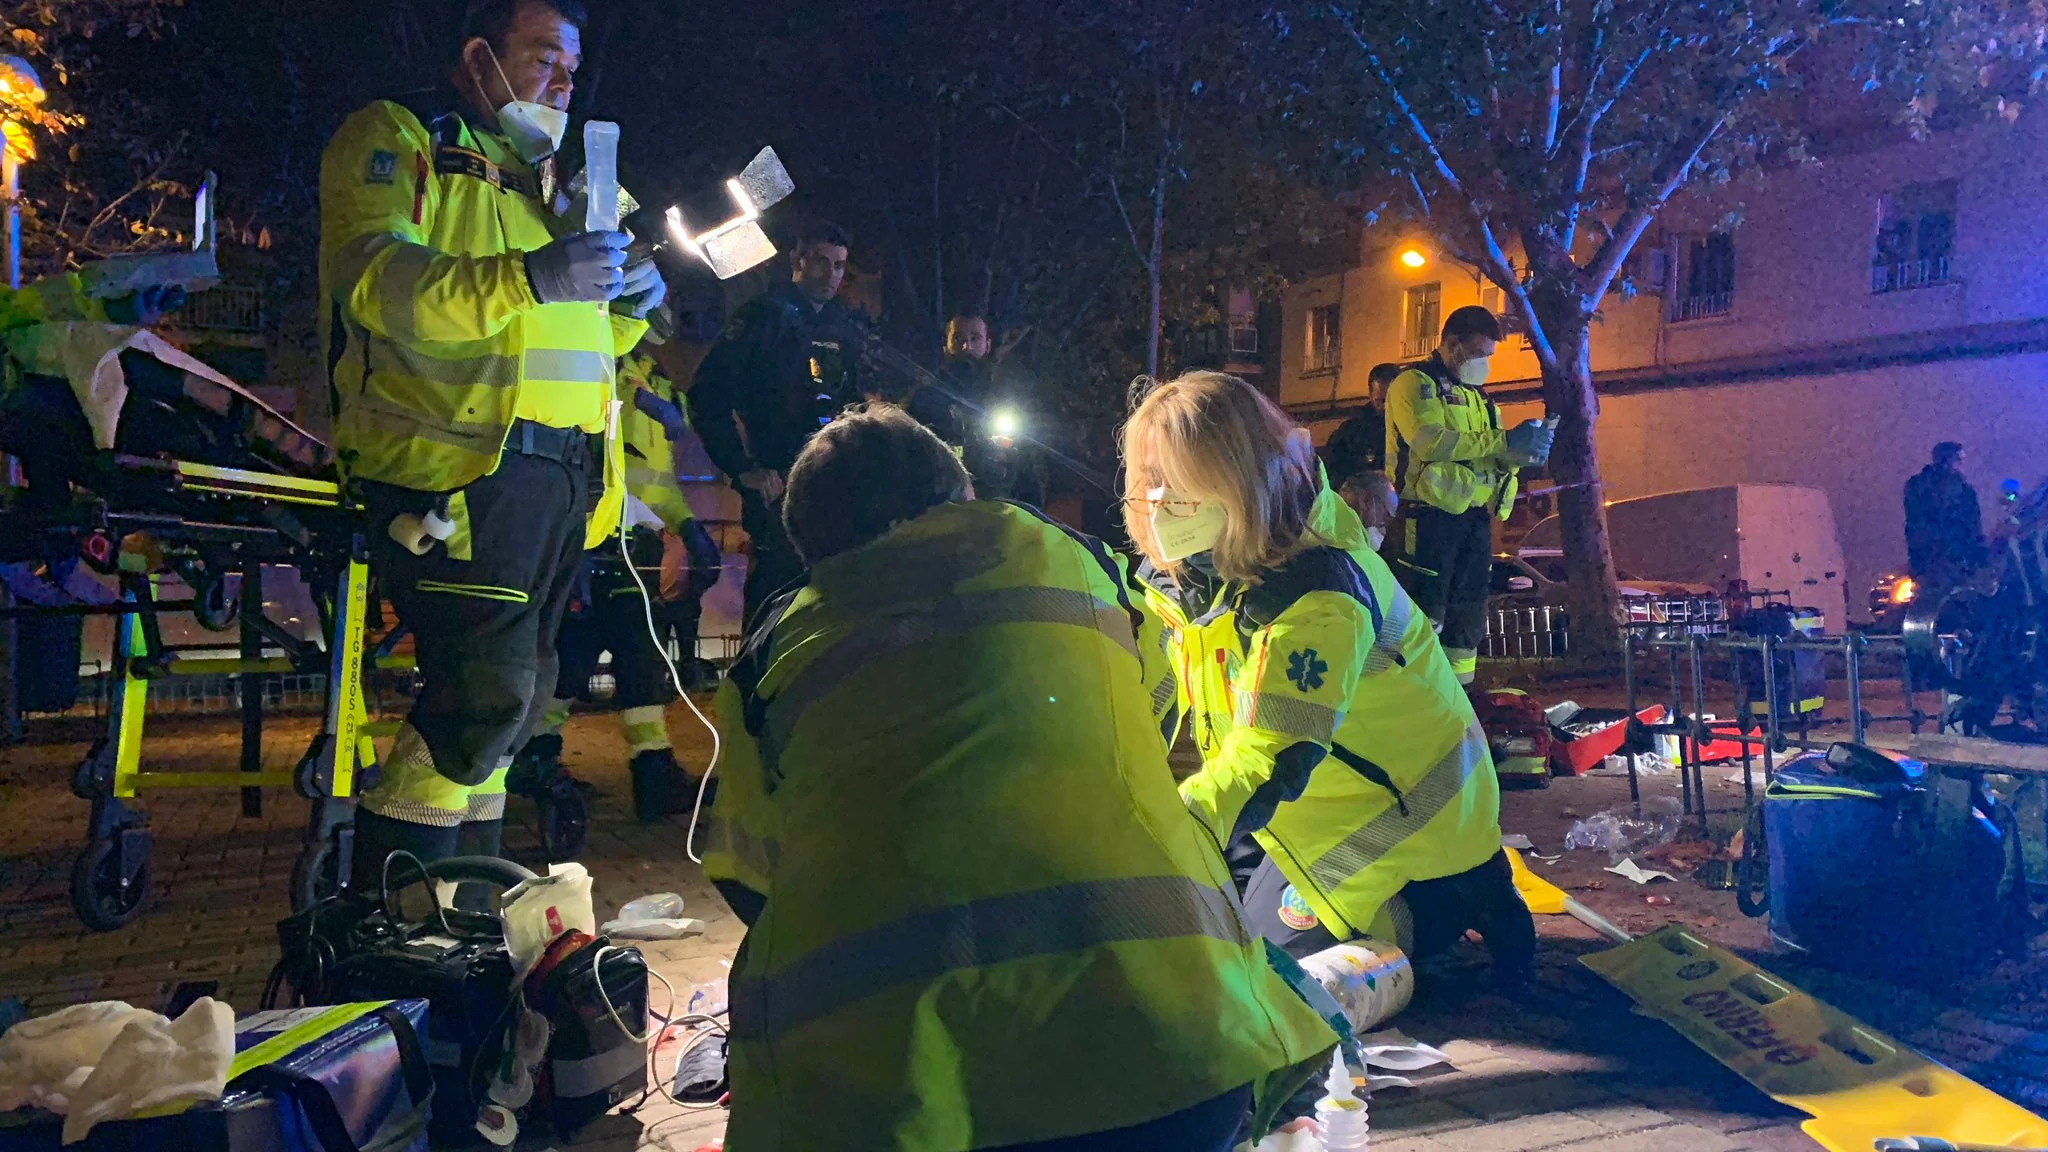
1570	1068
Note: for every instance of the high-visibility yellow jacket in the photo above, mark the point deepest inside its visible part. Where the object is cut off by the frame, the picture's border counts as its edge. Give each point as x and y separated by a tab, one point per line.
989	920
428	321
1444	442
1330	722
650	457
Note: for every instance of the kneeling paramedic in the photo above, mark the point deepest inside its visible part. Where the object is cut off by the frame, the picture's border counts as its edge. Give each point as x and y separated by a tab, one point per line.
472	355
1342	767
979	917
1455	469
612	611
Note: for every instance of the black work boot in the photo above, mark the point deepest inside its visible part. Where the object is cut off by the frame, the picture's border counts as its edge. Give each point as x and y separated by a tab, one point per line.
660	786
535	767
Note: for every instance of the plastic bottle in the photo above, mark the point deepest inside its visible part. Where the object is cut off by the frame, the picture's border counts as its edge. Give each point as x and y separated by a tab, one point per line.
1340	1114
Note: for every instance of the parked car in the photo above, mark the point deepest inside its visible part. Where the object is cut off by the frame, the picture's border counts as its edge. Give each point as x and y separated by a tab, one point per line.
1534	578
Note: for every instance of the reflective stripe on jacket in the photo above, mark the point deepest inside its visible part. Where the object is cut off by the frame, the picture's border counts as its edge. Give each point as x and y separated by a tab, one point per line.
1444	442
989	919
1327	668
429	326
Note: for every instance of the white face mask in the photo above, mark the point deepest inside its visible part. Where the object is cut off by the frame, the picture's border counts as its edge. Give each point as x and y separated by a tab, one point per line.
1472	373
1183	528
1375	537
534	130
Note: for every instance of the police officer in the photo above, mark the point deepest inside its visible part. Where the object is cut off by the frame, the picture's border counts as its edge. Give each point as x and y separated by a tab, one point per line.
472	336
1342	766
612	614
1046	955
785	365
1455	468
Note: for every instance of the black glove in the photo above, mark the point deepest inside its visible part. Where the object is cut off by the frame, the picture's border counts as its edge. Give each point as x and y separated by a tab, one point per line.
145	307
582	267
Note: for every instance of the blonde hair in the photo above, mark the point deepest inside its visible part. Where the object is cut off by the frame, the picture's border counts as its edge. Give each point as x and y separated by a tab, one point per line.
1210	436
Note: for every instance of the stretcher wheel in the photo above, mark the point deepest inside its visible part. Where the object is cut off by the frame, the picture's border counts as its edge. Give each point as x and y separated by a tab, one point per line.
103	898
564	820
316	874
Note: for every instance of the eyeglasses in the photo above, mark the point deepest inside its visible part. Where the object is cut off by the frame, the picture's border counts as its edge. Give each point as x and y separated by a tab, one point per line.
1170	507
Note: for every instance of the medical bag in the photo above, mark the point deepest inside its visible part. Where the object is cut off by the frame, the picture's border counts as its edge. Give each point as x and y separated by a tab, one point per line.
1876	864
1518	734
344	1078
1798	674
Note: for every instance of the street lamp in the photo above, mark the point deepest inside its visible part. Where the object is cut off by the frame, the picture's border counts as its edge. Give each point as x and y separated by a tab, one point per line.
19	85
1413	257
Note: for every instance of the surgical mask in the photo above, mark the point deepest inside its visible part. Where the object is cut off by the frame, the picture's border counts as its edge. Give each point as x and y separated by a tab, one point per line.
534	130
1375	537
1472	373
1183	528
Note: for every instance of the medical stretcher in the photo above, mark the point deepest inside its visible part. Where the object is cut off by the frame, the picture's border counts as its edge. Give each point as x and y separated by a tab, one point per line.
175	470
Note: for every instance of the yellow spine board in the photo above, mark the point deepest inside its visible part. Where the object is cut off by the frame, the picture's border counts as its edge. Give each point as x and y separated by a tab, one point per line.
1859	1085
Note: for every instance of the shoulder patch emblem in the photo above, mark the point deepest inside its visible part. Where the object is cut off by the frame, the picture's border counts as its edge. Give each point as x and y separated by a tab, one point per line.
1295	912
1305	668
382	168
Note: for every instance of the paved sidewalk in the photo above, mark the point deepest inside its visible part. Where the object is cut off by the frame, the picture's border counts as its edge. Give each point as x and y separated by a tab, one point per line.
1570	1067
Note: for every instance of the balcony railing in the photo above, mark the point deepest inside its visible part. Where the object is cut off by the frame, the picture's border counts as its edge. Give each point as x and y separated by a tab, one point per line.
1904	274
1701	306
227	308
1416	346
1320	359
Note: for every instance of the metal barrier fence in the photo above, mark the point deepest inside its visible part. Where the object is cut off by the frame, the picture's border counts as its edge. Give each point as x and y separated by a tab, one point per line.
1533	633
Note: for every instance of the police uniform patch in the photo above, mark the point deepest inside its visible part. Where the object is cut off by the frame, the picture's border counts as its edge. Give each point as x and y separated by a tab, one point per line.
1295	912
382	169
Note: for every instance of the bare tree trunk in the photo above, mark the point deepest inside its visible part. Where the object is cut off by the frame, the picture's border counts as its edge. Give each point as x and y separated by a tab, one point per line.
1582	512
1154	271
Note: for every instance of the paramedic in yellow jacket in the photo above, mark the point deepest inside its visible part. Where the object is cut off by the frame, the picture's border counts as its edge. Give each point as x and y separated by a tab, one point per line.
979	917
612	612
1342	766
1455	468
472	335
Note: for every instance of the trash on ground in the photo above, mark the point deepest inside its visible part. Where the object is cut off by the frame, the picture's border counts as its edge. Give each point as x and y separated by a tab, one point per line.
1657	901
662	929
658	906
1622	832
1395	1052
1647	764
1630	870
1516	841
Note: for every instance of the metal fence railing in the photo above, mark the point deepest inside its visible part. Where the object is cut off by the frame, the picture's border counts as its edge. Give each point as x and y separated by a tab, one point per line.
1903	274
1527	633
1702	305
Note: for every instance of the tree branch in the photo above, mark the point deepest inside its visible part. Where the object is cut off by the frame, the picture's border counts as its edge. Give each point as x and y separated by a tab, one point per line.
1636	219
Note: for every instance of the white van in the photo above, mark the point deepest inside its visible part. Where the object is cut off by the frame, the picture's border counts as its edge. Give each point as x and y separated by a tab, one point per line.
1773	537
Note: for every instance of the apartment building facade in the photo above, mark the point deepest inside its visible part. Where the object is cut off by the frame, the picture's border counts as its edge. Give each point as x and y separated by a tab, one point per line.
1863	307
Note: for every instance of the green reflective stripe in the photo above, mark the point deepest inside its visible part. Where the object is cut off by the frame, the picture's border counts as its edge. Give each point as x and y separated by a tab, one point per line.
956	615
932	943
568	364
413	811
1420	804
1164	692
352	259
489	370
1386	646
484	806
395	289
479	591
645	728
1287	715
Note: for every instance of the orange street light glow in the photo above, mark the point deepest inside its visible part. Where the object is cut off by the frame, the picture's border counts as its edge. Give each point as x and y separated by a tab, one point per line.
1413	257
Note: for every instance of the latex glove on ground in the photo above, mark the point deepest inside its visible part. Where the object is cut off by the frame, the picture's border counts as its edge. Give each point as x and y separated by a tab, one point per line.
643	292
1529	443
587	267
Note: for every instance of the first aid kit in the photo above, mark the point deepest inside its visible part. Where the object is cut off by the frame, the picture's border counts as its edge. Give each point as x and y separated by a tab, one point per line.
341	1078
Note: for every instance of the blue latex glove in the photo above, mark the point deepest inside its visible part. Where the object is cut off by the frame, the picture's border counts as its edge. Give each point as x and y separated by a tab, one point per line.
584	267
1529	442
643	292
146	307
668	415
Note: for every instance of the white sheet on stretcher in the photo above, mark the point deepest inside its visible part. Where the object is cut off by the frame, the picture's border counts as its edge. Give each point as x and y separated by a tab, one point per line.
89	356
